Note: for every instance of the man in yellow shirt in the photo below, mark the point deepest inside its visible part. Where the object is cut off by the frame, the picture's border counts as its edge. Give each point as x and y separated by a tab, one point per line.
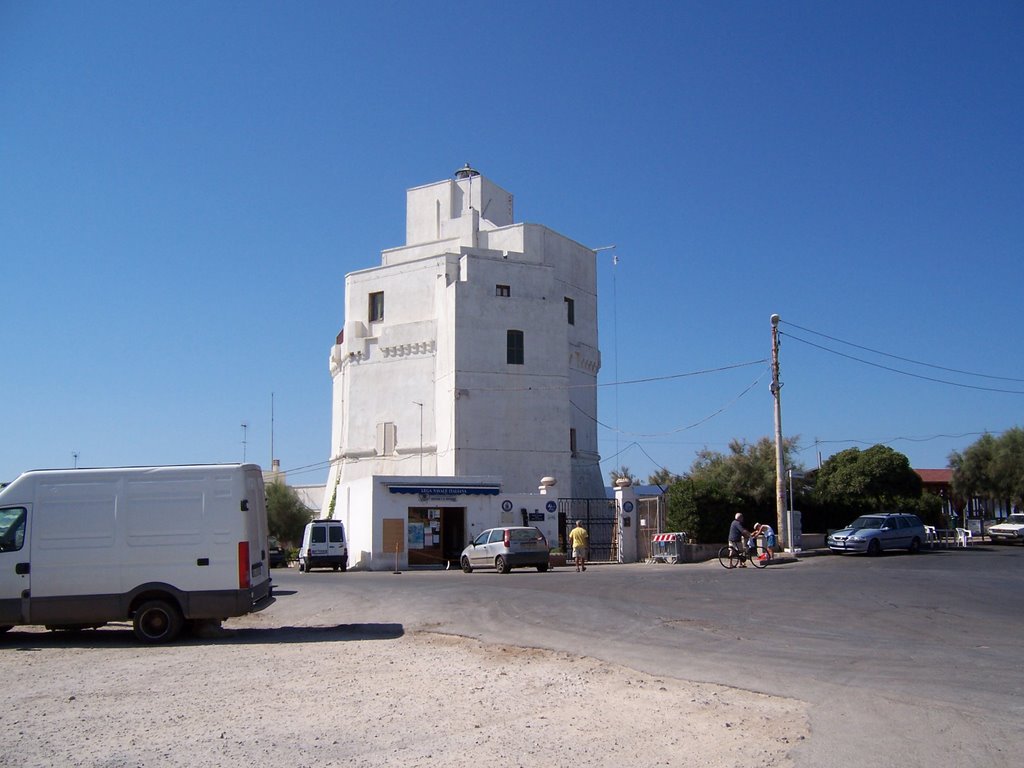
580	540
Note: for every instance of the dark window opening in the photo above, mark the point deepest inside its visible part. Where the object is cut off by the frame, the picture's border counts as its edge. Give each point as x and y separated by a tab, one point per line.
376	306
515	348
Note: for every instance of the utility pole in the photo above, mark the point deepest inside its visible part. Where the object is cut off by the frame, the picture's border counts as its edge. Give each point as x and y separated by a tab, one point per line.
780	469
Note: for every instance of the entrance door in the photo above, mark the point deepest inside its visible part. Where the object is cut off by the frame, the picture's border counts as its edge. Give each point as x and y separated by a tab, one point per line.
436	535
453	533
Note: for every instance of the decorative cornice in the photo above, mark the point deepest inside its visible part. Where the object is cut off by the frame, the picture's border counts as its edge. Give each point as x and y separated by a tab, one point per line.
410	350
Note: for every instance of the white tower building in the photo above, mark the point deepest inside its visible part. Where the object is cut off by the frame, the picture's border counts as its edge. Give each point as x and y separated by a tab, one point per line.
470	351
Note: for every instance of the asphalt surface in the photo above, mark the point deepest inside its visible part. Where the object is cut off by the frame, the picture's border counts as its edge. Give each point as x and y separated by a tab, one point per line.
905	659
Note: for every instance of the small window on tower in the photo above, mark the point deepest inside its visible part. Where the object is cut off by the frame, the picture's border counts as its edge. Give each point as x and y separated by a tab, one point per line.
570	310
572	441
515	352
376	313
502	290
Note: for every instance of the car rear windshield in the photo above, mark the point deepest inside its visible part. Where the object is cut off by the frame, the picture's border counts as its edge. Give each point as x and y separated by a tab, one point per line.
525	534
1015	518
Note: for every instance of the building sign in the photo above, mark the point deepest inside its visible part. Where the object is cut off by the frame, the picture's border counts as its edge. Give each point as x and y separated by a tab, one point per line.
444	492
536	517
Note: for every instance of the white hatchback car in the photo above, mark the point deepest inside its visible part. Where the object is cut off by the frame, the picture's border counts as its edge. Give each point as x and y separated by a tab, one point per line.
506	548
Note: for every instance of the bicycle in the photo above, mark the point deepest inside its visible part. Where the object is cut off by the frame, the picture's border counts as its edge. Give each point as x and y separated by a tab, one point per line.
755	553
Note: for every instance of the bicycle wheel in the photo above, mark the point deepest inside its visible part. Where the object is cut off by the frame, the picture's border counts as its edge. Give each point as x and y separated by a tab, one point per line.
727	557
759	559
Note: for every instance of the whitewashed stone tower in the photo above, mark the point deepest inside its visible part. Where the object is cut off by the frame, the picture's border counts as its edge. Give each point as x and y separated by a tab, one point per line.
470	351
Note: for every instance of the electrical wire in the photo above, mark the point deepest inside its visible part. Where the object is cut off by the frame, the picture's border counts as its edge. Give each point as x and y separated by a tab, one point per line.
898	357
907	373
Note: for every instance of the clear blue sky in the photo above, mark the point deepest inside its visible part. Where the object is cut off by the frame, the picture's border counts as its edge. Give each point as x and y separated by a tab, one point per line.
183	187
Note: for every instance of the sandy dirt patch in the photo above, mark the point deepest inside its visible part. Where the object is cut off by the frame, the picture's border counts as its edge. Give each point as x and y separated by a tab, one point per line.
341	697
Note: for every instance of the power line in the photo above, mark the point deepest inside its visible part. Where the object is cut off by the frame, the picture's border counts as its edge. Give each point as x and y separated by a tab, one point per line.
677	430
903	359
908	373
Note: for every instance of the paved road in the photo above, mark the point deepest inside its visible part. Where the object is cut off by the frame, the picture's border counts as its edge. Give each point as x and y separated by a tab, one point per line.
905	660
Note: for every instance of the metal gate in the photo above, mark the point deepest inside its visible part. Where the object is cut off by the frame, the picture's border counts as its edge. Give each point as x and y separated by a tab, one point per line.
598	516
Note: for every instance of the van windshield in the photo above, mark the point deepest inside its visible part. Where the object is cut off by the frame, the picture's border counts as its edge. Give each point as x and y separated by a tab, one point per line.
12	529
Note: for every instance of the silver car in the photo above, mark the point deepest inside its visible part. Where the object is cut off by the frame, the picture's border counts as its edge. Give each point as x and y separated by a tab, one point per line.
506	548
875	533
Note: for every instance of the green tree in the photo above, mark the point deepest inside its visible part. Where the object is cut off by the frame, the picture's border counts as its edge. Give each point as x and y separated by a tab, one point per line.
719	485
663	478
286	514
991	467
878	478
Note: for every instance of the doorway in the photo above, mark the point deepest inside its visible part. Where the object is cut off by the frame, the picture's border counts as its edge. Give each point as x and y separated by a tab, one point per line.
436	535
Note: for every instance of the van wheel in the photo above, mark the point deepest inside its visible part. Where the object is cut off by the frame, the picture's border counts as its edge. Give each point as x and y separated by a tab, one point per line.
157	621
501	564
466	567
542	567
344	567
915	546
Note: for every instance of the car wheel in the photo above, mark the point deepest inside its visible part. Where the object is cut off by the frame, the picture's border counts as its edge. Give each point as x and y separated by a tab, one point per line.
501	564
874	547
915	546
542	567
466	567
157	621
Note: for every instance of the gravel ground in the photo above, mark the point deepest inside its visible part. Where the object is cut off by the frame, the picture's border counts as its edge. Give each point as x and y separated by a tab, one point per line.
353	697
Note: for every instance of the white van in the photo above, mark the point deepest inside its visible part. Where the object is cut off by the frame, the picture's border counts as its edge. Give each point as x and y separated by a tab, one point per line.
323	546
160	546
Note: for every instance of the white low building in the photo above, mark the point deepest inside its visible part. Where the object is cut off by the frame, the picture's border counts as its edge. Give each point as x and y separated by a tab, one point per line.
468	360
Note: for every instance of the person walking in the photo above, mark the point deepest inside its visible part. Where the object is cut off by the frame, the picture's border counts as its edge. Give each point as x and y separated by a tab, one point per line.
580	540
737	535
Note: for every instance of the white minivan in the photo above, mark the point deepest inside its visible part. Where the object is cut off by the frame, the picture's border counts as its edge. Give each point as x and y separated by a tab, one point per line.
159	546
323	546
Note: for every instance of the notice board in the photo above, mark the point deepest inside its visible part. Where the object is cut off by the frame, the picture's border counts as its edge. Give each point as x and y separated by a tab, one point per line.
394	534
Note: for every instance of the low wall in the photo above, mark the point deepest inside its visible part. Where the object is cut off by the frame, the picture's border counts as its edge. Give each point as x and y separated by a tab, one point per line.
698	553
812	541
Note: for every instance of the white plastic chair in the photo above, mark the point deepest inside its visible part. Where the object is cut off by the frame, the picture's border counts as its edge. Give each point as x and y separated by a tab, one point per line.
930	537
964	537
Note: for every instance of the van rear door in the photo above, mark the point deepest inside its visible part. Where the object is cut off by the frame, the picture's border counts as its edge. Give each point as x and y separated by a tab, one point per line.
255	535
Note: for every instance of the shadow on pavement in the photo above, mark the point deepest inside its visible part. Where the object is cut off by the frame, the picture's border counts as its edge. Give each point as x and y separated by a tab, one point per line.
120	636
